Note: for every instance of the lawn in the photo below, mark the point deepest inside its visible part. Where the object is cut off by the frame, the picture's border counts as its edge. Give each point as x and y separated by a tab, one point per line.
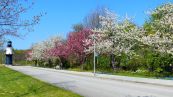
127	73
15	84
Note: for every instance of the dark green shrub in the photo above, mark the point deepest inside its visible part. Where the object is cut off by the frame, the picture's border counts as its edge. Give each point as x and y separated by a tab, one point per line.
65	63
159	63
103	62
88	65
124	61
136	62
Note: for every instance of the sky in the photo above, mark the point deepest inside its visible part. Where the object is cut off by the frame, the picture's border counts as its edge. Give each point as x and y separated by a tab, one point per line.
62	14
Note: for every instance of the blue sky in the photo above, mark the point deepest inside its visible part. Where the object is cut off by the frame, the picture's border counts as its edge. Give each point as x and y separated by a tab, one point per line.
62	14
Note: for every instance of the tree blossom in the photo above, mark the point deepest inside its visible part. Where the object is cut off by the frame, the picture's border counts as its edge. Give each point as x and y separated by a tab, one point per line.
74	45
114	36
162	24
39	50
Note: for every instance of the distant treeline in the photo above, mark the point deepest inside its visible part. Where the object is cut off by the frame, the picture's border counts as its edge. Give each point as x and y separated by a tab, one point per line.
19	57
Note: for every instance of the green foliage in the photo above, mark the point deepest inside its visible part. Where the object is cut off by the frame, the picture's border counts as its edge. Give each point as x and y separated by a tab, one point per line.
24	62
19	55
52	63
124	60
19	58
148	28
88	65
2	57
56	61
135	63
103	62
65	63
146	61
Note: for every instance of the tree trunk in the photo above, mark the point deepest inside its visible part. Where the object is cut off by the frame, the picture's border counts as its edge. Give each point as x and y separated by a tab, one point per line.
112	61
82	61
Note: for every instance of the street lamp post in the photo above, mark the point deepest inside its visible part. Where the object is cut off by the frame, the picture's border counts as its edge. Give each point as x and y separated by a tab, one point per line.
94	55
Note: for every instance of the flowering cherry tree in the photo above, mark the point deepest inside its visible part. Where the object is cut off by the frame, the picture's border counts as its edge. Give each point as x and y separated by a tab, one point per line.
101	35
76	43
162	24
74	46
40	50
115	36
60	50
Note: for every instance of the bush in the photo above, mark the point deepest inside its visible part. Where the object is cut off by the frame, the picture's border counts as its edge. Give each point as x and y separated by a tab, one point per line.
88	65
56	61
65	63
136	62
103	62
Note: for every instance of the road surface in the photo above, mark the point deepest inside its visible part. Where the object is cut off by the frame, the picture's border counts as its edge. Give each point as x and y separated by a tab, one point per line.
96	87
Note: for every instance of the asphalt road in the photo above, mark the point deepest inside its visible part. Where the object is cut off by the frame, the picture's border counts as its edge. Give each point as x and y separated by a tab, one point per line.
96	87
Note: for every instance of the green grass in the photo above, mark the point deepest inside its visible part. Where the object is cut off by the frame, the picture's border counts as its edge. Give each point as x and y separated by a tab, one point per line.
118	72
15	84
79	70
126	73
23	63
134	74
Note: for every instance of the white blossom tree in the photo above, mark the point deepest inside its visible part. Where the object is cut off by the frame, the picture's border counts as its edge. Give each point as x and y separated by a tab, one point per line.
115	36
120	36
39	50
161	23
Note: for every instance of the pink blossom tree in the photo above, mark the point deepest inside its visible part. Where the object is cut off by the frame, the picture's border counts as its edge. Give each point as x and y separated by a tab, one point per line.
73	47
76	44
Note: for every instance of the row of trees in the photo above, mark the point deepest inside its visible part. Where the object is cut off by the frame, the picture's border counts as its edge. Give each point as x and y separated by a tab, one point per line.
57	49
120	43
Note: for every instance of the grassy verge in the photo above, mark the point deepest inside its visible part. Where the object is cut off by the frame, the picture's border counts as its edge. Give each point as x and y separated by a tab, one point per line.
15	84
126	73
144	75
79	70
